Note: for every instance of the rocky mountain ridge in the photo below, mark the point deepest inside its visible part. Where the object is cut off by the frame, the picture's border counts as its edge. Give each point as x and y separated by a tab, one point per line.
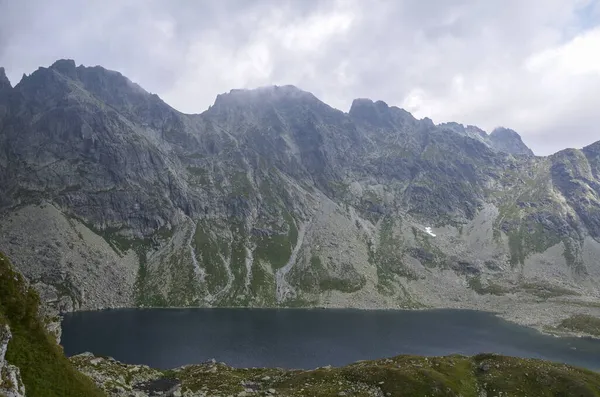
109	198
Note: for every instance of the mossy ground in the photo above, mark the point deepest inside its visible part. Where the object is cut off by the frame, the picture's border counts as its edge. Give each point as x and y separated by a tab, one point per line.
582	323
410	376
45	370
539	290
111	374
491	289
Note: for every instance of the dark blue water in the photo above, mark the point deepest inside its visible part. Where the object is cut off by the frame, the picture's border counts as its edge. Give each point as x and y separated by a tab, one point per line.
298	338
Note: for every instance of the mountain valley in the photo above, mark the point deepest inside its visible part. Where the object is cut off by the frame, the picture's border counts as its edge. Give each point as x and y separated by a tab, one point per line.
271	198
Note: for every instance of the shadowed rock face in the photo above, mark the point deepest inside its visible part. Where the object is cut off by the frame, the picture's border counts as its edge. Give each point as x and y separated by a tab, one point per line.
507	140
4	82
166	206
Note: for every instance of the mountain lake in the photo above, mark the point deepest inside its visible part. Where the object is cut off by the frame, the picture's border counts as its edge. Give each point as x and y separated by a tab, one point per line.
307	338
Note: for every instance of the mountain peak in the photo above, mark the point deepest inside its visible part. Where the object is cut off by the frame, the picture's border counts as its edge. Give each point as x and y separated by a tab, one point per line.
65	67
273	91
63	64
262	95
377	113
363	103
4	81
508	141
506	133
476	130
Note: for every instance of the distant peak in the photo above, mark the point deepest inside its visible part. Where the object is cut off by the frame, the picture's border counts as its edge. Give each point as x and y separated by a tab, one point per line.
428	121
64	63
4	81
452	125
377	112
362	101
508	141
477	130
279	89
593	148
505	132
271	90
66	67
468	130
363	105
264	94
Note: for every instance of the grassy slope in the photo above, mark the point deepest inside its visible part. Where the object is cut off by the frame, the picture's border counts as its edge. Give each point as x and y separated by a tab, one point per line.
481	375
582	323
45	370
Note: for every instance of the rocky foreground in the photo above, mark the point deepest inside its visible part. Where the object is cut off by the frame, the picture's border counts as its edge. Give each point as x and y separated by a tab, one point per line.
481	375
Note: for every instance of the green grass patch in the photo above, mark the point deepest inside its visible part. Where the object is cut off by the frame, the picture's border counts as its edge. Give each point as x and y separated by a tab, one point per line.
237	294
241	185
582	323
389	256
45	370
184	287
341	284
200	176
527	239
262	285
491	289
308	279
546	291
529	377
211	251
276	249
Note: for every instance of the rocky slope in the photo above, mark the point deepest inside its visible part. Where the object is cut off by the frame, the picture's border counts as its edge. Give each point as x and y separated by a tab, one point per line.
110	198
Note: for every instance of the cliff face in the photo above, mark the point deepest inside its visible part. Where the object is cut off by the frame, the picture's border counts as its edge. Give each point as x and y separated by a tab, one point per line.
272	198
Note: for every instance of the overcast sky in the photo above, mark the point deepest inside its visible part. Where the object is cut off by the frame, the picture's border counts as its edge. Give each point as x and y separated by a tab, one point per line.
531	65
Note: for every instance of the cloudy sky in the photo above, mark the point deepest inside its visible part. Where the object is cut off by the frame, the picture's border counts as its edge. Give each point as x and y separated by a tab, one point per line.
531	65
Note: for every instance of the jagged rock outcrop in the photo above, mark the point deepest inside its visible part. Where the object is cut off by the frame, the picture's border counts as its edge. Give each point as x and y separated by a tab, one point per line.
508	141
273	198
500	139
11	384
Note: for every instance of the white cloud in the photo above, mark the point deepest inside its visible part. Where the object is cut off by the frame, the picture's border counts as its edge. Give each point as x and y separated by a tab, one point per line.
579	56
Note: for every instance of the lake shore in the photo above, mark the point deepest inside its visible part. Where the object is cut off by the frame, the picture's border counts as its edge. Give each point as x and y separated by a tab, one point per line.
306	338
543	315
